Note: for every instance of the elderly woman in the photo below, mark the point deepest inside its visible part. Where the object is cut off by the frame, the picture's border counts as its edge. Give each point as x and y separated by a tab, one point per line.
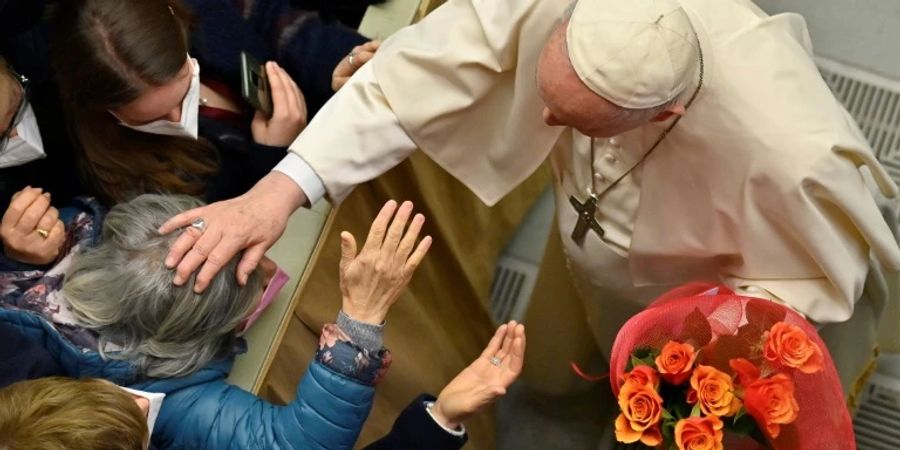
119	317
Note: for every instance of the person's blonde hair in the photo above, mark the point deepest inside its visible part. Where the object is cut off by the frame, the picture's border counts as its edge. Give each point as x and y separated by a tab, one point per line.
58	413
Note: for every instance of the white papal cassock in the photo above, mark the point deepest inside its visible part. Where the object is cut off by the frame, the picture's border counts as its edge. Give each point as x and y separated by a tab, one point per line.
766	184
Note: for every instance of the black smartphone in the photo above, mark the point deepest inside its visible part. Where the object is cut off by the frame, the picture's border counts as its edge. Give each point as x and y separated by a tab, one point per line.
255	84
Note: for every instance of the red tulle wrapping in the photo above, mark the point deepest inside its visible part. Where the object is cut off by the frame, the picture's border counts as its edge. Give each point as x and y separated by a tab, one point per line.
823	422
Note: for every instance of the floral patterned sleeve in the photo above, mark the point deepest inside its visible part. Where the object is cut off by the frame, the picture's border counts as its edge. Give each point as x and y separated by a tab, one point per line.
338	352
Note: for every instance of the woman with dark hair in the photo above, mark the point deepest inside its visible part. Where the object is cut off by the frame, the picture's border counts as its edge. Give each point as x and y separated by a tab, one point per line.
144	119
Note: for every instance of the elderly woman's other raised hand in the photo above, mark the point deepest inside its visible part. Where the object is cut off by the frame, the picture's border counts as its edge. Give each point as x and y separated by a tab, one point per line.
31	230
372	280
347	66
484	380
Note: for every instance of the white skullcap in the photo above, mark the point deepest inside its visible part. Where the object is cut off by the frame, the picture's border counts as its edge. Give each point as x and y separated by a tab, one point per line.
635	53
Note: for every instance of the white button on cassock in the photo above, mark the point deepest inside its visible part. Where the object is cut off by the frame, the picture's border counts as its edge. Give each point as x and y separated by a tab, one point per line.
610	158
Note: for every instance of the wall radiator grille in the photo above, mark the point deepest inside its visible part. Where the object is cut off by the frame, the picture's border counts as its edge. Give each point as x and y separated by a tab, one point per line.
511	289
877	423
874	102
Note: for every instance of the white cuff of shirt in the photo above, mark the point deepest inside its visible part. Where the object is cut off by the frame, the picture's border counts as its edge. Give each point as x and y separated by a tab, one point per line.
458	433
300	171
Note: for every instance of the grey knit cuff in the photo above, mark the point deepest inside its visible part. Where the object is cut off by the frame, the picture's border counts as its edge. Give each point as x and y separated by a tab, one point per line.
365	335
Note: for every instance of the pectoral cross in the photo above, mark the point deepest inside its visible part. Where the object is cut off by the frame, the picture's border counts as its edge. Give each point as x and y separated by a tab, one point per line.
586	219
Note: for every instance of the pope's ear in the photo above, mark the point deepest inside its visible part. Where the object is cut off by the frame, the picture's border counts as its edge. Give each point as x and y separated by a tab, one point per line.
674	110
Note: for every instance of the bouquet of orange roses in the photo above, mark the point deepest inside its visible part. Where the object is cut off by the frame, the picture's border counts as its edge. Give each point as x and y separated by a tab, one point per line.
705	369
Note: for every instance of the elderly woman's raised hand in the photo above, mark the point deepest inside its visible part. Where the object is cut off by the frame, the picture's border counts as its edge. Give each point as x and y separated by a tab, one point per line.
347	66
31	230
484	380
372	280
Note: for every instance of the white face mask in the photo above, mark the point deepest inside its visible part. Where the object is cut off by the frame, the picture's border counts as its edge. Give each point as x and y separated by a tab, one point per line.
156	400
27	146
190	110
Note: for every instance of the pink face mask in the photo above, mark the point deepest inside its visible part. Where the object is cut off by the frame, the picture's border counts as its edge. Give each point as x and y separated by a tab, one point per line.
275	284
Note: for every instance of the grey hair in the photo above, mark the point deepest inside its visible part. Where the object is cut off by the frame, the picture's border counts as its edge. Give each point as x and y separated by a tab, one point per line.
123	290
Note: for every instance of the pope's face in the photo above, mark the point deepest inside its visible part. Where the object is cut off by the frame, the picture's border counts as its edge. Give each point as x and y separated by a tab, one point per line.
568	101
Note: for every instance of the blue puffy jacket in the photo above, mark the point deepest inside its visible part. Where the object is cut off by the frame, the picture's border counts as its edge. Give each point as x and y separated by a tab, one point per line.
202	411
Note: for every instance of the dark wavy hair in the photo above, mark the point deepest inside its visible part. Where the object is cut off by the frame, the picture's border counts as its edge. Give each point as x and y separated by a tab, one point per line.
106	54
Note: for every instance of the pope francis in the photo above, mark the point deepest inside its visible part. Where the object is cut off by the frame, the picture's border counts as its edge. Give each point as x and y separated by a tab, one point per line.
690	140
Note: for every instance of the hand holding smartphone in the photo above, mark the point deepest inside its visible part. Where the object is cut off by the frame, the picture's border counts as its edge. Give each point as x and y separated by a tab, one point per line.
255	85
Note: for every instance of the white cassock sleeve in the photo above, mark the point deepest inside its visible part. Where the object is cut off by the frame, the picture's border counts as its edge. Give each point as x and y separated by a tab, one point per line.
356	137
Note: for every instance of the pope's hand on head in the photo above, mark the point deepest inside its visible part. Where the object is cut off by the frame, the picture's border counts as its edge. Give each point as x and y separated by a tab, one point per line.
372	279
288	110
347	66
251	222
485	380
31	230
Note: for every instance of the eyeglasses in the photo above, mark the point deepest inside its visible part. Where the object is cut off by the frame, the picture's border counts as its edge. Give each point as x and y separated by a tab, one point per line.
24	84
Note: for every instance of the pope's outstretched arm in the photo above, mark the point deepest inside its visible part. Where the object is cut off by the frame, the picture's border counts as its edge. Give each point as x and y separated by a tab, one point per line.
433	84
357	119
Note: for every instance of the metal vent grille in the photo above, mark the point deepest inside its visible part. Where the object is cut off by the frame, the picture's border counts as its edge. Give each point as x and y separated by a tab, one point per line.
874	102
877	423
511	289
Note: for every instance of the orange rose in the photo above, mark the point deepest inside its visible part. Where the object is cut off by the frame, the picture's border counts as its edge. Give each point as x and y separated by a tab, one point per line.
644	376
745	372
699	433
771	402
714	391
789	346
676	361
641	409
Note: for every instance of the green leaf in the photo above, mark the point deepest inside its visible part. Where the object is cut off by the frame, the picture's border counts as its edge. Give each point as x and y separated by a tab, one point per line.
744	425
739	414
696	411
667	415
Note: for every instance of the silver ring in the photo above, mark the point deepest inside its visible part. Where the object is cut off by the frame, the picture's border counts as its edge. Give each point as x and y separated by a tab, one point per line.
199	224
496	361
350	60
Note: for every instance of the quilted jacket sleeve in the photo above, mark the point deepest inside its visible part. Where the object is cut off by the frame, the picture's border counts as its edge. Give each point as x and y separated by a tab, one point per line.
327	413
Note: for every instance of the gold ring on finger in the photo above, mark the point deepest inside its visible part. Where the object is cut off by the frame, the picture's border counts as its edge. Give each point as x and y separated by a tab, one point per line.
44	233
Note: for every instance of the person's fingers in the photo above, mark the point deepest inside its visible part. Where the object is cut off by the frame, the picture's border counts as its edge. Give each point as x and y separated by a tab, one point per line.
506	346
416	258
224	250
49	219
362	58
55	239
348	248
371	46
494	343
517	356
278	90
180	221
197	254
292	92
410	237
17	206
32	215
379	226
182	245
395	232
249	260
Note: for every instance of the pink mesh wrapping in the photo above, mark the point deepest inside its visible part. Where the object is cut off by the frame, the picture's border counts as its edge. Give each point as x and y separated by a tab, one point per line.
823	422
